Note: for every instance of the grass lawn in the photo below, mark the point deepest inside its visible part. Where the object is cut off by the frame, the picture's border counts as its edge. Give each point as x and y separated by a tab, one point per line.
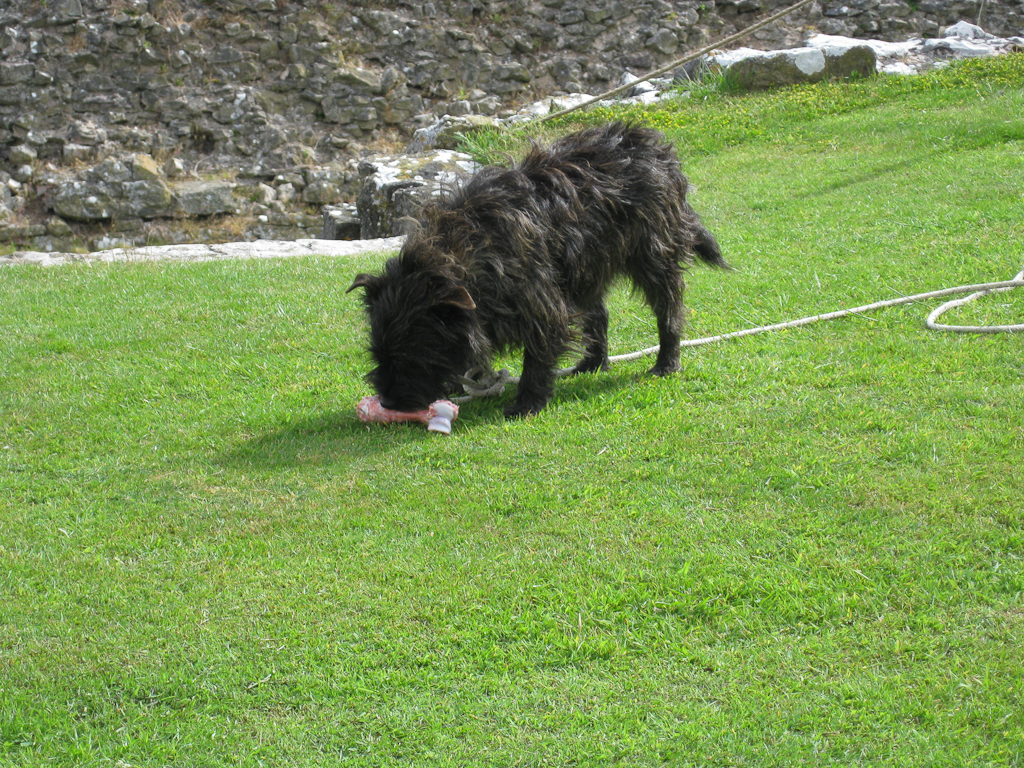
804	549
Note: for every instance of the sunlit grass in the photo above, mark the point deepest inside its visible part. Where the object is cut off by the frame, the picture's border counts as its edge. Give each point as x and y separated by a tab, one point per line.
804	549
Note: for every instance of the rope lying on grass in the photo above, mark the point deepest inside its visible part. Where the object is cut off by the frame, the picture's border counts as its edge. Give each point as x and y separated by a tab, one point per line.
479	383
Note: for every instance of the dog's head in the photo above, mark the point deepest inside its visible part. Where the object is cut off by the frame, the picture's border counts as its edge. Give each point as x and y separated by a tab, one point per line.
422	327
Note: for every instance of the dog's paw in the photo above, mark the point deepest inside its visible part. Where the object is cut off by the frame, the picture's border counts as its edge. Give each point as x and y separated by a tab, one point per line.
664	369
522	411
591	365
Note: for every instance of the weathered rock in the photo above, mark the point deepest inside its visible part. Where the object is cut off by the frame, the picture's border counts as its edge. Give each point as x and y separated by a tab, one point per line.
110	171
325	185
111	192
447	132
86	201
145	168
204	198
286	192
915	55
57	227
66	11
238	84
214	252
173	167
395	188
665	41
21	154
74	153
752	70
264	194
364	79
340	223
849	62
145	199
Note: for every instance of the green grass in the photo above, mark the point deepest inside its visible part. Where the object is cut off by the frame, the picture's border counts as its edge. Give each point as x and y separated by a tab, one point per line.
804	549
708	118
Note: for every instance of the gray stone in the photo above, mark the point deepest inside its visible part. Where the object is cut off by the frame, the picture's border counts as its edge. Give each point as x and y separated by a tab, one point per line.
261	249
87	133
205	198
753	70
665	41
74	153
365	79
12	96
86	201
66	11
144	168
340	223
57	227
763	70
265	194
460	108
14	72
21	154
447	132
967	31
321	191
517	72
395	188
173	167
110	171
850	62
146	199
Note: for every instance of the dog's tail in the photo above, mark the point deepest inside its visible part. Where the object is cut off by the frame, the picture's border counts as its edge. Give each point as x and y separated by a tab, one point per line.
708	250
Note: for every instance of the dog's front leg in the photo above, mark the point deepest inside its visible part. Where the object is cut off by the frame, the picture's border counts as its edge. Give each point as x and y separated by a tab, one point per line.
536	386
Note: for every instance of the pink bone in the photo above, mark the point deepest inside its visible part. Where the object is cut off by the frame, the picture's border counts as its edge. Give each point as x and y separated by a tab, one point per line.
438	416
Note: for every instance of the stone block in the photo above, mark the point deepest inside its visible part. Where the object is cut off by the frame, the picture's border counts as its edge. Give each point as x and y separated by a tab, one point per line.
21	154
357	77
147	199
144	168
759	70
15	72
85	201
395	188
447	132
664	41
205	198
340	223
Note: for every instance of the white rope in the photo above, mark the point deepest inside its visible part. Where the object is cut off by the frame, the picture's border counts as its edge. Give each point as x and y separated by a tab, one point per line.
930	321
481	383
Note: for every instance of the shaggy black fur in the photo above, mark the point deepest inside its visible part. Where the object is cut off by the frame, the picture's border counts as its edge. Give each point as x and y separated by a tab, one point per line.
517	257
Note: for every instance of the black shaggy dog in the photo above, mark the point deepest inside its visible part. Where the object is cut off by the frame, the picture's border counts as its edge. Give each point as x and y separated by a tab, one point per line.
517	257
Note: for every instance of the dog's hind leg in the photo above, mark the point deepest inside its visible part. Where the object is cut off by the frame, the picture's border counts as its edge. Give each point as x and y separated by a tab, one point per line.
663	289
595	335
669	331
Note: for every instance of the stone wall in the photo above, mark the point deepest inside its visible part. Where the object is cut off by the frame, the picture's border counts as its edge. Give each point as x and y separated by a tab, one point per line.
282	98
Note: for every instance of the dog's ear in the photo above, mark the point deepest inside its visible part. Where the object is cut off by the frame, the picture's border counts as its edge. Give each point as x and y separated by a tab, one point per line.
457	296
363	280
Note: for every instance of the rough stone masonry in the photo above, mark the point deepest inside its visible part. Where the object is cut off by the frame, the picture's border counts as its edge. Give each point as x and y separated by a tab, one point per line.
136	121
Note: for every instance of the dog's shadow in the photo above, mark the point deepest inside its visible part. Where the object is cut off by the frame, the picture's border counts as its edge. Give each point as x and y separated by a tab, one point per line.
338	436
